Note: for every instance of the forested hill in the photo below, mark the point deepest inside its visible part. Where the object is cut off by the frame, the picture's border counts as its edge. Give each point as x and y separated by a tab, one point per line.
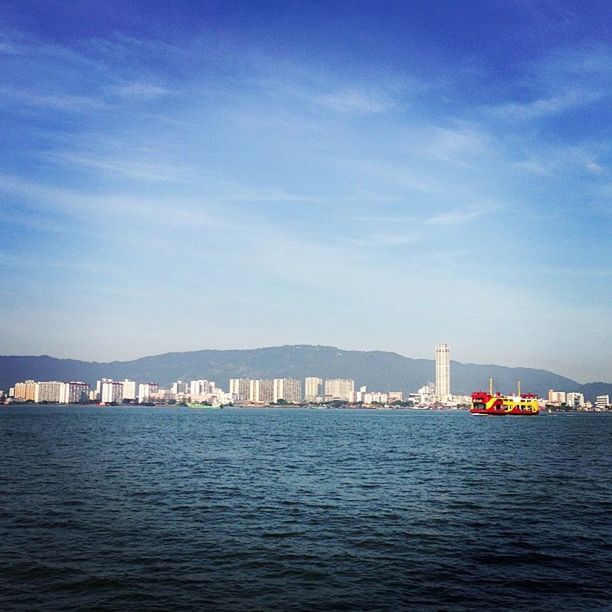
378	370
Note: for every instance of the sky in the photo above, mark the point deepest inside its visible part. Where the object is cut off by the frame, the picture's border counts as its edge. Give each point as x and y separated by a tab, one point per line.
372	175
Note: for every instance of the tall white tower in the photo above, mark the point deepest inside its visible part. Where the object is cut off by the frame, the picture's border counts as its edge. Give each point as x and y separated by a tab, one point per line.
442	372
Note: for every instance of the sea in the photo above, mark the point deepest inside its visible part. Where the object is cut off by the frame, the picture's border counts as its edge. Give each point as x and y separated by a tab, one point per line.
113	508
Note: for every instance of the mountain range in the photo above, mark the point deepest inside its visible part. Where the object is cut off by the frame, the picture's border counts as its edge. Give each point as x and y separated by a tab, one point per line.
379	370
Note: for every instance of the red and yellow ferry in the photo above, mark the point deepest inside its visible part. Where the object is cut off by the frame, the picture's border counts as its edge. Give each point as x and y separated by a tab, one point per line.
496	404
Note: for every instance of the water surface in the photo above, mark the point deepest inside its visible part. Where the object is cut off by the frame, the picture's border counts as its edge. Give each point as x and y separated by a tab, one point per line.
151	508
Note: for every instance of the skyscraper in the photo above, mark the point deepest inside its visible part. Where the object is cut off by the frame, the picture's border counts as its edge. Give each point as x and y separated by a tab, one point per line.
442	372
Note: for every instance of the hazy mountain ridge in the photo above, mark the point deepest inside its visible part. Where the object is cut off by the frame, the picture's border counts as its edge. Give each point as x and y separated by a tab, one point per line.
379	370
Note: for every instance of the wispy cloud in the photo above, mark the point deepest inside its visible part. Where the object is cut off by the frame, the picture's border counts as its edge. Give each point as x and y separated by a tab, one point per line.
543	107
141	90
59	101
351	100
164	211
460	216
128	168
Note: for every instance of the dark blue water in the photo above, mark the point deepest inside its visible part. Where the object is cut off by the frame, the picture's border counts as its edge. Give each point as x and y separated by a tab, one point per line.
150	508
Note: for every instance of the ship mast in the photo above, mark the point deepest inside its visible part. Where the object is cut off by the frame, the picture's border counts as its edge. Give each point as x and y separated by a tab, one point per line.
490	385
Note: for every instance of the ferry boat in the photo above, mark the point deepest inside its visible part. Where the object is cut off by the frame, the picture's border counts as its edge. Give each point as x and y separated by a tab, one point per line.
496	404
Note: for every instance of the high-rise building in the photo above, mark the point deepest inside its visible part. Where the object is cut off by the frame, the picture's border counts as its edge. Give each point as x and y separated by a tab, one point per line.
73	393
201	387
442	372
111	392
266	390
312	388
146	391
239	388
130	390
339	389
602	402
48	391
288	389
25	390
254	390
179	387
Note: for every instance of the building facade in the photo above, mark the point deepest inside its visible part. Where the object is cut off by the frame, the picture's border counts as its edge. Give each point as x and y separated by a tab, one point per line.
73	393
443	379
313	388
339	389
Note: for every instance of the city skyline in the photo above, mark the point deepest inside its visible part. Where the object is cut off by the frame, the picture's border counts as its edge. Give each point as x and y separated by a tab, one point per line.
367	175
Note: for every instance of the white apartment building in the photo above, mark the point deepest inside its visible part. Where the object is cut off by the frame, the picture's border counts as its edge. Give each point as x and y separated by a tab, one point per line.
73	392
443	380
575	400
239	389
266	390
147	391
288	389
179	387
602	402
339	389
254	390
48	391
313	388
130	390
201	388
111	392
557	397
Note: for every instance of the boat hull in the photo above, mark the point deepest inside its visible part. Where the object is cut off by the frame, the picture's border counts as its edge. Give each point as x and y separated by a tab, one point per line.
503	413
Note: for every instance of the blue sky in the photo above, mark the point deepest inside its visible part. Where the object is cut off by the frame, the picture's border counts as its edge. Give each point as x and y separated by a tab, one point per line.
370	175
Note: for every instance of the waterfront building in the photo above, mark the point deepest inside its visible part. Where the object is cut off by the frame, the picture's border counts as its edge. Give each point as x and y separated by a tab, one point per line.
602	402
99	384
288	389
557	397
199	388
313	387
147	391
396	396
575	400
179	387
162	396
339	389
443	384
111	392
47	391
266	390
254	391
239	389
130	390
73	393
25	390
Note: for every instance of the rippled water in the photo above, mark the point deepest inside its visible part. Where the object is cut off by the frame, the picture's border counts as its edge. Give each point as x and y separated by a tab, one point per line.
151	508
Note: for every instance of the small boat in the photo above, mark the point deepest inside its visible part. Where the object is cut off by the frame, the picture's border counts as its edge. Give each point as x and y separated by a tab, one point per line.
496	404
214	406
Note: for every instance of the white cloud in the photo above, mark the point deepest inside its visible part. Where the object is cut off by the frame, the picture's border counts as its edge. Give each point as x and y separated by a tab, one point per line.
141	90
352	100
132	169
543	107
60	101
